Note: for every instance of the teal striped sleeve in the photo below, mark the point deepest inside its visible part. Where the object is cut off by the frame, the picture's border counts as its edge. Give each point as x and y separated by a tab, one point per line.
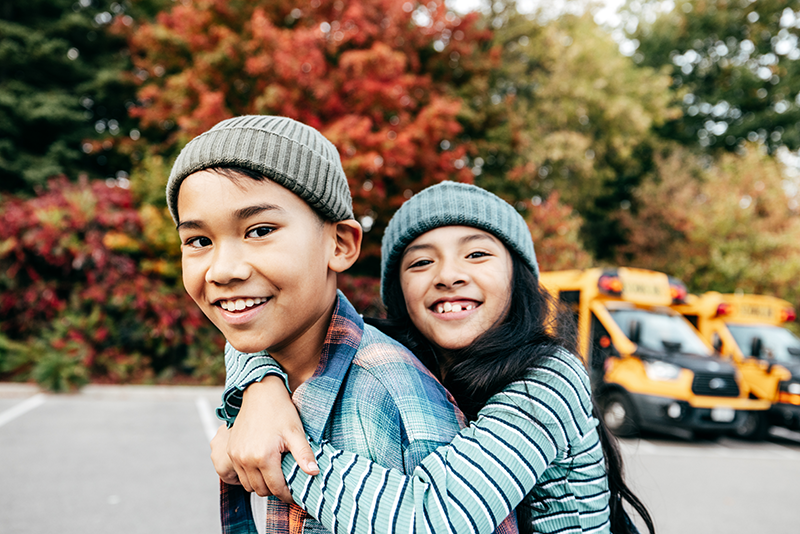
241	370
537	434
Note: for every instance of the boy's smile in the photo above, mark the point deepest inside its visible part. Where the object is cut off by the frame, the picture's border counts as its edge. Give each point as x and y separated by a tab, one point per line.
241	310
256	260
456	282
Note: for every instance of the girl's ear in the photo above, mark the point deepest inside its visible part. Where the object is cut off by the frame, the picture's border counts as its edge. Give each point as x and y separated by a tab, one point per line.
348	236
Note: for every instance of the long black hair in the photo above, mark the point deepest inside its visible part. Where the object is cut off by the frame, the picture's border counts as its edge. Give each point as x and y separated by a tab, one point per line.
535	327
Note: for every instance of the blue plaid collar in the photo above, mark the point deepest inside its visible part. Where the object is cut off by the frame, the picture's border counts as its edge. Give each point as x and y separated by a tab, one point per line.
317	395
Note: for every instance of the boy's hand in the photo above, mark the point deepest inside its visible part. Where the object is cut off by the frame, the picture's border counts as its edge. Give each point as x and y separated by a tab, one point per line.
268	426
219	456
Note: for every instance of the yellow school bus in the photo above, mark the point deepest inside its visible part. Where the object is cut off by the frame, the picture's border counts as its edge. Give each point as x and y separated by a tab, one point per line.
747	330
649	367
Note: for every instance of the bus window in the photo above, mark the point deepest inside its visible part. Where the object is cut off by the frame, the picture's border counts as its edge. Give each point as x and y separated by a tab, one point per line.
777	343
659	331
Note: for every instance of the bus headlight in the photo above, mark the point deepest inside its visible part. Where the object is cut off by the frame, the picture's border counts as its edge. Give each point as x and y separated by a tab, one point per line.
661	371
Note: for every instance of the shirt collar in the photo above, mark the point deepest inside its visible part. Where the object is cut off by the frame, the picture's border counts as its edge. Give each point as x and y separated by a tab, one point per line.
317	395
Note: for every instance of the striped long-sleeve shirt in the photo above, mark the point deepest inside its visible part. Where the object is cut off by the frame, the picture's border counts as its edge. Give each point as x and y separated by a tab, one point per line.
369	394
537	437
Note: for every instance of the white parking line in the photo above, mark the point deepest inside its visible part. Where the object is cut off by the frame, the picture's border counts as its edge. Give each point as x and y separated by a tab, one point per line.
22	408
209	424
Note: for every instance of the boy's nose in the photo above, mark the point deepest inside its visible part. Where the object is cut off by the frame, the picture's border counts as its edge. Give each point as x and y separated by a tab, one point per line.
227	265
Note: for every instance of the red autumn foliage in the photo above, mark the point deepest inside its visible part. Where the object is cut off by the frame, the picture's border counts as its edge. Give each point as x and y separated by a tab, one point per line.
376	77
555	229
71	274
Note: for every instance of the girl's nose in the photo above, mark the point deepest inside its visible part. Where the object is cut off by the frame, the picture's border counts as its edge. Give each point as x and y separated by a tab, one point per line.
449	275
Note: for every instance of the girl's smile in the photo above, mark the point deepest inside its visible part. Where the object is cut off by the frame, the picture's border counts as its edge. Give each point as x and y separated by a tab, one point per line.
454	306
456	282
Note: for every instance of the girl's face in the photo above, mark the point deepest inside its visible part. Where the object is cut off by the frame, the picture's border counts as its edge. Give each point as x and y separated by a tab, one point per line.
456	281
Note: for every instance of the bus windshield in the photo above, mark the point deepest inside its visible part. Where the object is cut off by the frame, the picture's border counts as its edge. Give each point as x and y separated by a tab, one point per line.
776	341
660	331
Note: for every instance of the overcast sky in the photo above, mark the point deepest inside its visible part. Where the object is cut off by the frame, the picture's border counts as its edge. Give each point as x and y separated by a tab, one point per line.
606	13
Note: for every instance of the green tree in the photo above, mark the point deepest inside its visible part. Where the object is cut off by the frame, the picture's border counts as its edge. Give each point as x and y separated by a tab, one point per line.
721	225
63	95
734	64
581	121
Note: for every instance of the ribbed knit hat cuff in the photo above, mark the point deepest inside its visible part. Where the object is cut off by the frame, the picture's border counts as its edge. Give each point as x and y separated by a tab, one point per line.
290	153
453	204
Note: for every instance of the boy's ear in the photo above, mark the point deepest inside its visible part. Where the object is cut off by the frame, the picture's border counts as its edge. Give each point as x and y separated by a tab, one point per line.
348	236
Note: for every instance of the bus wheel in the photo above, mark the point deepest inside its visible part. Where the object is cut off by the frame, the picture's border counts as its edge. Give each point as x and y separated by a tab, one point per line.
754	427
706	435
618	415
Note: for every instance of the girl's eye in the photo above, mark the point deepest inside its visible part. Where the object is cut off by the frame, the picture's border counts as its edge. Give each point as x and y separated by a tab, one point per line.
260	231
420	263
477	254
198	242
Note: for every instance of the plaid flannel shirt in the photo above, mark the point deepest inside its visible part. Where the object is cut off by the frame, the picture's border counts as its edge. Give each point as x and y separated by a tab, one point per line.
369	395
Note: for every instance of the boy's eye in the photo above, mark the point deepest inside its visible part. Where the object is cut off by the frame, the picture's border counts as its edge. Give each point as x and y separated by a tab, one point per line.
260	231
198	242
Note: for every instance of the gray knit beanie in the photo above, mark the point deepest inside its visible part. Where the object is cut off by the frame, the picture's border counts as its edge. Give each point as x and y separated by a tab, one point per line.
287	152
453	204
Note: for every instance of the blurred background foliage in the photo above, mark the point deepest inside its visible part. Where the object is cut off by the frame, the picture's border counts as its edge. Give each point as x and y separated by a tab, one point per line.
663	138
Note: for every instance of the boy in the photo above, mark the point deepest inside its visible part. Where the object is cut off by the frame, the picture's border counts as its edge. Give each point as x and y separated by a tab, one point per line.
265	219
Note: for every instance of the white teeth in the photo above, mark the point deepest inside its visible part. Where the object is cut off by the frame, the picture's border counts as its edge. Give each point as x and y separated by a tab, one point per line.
447	307
240	304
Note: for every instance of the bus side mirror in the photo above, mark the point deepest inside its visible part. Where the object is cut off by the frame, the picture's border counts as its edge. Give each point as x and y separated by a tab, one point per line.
755	347
717	343
635	331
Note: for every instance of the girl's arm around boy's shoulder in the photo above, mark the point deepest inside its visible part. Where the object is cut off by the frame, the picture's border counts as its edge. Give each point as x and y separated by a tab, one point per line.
470	485
241	370
555	392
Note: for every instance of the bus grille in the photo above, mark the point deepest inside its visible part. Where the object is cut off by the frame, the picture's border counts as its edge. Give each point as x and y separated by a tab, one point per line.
715	385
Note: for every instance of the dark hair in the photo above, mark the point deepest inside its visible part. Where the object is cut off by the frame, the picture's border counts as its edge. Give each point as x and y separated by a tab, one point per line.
535	327
234	174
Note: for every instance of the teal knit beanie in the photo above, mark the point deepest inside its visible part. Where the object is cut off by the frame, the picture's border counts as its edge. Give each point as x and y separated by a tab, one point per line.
452	204
287	152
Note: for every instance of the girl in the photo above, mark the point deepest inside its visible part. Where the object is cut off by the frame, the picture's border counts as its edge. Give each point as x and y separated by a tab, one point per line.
460	283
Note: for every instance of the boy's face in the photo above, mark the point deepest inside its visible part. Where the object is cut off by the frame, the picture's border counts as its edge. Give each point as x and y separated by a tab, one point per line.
255	259
456	282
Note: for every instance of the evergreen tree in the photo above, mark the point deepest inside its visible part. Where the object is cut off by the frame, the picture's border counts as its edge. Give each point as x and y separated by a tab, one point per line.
63	95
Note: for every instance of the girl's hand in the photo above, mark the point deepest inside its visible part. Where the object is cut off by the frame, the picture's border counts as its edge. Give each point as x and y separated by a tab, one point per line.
219	456
267	426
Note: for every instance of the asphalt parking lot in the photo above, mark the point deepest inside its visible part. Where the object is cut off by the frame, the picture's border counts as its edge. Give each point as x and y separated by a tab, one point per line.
135	459
127	460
